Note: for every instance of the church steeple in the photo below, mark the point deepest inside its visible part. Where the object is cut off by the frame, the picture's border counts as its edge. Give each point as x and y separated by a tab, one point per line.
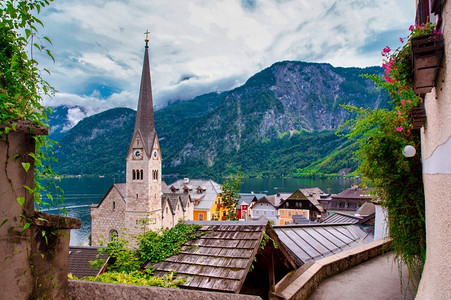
145	123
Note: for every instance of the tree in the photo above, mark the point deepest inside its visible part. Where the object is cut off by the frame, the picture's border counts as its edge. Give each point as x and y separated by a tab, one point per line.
231	193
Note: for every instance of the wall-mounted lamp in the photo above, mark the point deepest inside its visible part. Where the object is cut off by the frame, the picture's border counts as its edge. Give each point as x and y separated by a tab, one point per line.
409	151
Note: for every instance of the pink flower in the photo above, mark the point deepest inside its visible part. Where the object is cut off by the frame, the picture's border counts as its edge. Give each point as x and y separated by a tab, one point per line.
408	101
388	79
411	28
399	113
399	129
401	40
402	101
438	32
386	50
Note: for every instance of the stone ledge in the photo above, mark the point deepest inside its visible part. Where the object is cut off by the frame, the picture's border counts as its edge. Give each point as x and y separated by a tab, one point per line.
49	220
80	289
302	284
28	127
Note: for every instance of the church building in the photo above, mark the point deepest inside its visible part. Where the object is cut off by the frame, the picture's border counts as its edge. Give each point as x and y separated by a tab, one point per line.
143	202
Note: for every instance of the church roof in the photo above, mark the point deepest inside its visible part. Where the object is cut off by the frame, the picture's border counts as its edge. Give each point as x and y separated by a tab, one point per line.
164	188
122	190
145	123
119	187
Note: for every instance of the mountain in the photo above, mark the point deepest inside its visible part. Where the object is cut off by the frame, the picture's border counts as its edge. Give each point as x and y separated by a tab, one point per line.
63	118
281	122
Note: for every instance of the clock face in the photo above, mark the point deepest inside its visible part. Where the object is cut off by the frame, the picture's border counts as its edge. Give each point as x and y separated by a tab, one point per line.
155	154
138	154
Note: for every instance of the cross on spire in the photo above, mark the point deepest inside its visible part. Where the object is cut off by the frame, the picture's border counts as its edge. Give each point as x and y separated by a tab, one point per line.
147	38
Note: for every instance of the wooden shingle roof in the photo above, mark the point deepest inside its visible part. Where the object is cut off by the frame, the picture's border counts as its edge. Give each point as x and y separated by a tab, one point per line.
220	259
79	258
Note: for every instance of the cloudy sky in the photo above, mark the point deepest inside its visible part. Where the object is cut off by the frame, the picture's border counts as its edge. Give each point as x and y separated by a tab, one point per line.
200	46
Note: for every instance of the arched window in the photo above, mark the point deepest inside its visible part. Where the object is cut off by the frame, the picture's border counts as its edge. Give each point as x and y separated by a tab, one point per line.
113	234
114	204
134	174
141	173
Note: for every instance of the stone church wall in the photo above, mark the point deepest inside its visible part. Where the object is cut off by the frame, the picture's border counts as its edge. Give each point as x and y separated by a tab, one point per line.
105	218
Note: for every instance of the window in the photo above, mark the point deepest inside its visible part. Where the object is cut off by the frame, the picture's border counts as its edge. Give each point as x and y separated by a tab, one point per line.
114	204
283	213
289	213
137	174
201	217
265	212
272	213
155	174
113	234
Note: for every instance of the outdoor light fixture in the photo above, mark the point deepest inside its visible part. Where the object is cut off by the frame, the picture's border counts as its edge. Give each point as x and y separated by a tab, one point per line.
409	151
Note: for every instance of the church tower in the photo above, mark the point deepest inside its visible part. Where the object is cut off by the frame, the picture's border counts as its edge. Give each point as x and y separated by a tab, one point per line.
143	163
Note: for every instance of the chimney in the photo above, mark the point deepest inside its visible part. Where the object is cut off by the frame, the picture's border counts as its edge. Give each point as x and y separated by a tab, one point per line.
186	180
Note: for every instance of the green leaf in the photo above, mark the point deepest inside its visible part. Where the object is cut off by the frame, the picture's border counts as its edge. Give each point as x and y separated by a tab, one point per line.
25	227
21	200
26	166
47	39
4	221
50	54
30	190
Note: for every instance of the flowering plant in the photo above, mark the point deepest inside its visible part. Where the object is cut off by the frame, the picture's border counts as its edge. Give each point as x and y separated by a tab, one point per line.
399	77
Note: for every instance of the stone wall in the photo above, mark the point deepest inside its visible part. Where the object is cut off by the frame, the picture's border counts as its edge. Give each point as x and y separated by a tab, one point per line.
107	217
81	290
306	279
34	259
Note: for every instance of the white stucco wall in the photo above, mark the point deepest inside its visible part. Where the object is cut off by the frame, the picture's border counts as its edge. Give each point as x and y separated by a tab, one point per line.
436	156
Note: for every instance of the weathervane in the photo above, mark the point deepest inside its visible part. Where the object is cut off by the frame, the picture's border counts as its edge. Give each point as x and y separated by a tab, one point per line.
147	38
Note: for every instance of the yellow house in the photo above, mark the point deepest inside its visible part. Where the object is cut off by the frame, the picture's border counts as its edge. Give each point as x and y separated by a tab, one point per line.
218	210
205	194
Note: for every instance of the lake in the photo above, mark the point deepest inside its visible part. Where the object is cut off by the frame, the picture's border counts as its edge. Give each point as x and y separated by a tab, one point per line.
81	192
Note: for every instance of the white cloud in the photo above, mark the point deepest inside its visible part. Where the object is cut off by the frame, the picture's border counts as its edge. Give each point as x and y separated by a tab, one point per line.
98	45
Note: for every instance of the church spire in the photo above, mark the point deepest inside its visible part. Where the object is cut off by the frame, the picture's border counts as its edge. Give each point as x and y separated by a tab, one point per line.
145	123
